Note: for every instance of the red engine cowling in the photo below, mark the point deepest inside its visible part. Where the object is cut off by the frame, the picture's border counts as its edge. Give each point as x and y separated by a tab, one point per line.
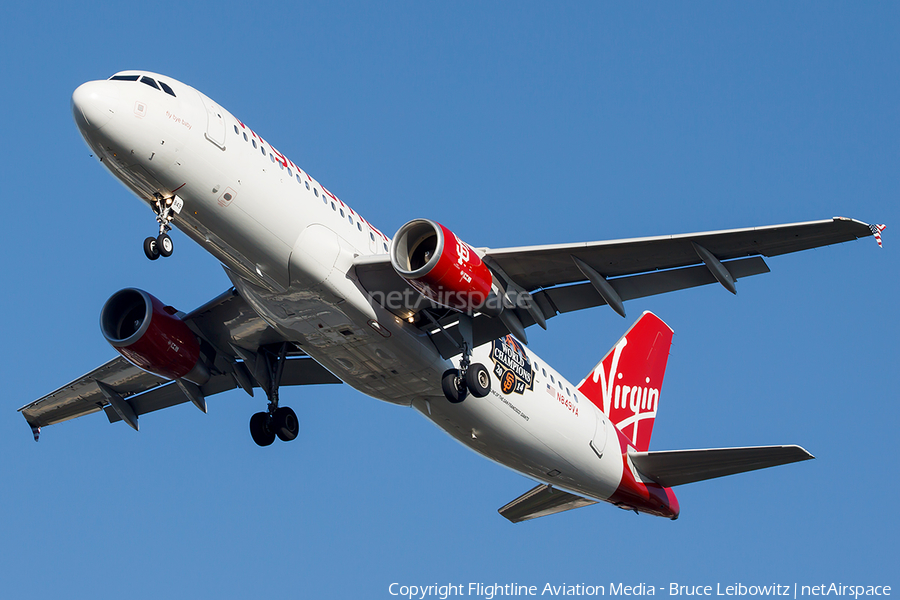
151	336
441	266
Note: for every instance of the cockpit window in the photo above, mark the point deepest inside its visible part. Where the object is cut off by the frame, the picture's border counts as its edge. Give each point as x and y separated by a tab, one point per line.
167	89
152	83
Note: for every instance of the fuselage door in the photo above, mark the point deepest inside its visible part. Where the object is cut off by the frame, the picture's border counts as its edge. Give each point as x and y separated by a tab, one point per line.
598	442
215	122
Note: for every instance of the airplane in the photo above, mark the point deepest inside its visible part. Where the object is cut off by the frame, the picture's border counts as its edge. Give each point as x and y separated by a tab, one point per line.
320	296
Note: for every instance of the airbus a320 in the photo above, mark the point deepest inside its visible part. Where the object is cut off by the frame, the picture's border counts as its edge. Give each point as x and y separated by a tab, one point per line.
319	295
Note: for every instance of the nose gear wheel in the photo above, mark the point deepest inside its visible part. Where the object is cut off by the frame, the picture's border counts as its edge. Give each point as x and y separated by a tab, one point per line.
151	248
162	244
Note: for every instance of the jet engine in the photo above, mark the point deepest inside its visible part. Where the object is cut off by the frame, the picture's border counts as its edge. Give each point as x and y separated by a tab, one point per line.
151	336
441	267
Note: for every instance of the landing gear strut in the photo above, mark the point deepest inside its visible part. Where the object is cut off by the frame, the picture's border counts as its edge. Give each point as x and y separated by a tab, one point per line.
165	209
277	421
475	378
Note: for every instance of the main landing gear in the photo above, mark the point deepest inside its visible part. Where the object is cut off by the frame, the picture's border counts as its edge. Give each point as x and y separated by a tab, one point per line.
277	421
281	422
162	245
474	378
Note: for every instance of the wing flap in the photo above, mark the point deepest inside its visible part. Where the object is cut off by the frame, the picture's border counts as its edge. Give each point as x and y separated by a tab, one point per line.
678	467
542	501
581	296
297	371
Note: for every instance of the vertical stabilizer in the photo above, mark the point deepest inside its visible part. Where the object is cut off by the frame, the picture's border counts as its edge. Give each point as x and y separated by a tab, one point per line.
626	383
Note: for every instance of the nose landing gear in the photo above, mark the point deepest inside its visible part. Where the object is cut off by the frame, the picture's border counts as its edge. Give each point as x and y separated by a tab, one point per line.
165	209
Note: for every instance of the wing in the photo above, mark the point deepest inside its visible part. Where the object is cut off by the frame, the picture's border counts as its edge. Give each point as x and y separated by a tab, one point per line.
678	467
561	278
235	341
545	266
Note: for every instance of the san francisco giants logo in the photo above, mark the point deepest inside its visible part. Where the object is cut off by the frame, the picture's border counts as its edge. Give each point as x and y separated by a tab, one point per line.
509	382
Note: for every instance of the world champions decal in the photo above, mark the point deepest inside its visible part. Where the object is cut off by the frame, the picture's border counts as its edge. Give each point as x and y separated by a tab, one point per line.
511	366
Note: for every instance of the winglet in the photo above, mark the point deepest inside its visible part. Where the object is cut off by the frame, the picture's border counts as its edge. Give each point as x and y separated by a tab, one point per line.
876	231
36	430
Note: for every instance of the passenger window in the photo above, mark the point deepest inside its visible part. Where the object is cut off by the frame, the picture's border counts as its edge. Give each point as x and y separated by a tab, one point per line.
552	379
544	371
371	236
307	183
342	213
254	144
358	224
245	136
316	192
290	174
385	247
149	82
236	130
262	149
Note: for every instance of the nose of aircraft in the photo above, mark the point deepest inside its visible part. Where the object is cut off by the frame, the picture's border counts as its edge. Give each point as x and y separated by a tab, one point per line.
93	104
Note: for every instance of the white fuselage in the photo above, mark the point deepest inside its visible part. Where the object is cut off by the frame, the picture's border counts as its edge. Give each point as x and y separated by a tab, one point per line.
289	245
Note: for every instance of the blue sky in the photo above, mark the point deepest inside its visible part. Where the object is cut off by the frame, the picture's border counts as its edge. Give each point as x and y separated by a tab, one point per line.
514	124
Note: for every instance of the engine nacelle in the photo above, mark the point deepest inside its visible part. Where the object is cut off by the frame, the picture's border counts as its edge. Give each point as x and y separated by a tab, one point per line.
151	336
440	266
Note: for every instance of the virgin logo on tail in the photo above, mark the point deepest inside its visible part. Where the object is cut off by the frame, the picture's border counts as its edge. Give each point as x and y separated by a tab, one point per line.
626	383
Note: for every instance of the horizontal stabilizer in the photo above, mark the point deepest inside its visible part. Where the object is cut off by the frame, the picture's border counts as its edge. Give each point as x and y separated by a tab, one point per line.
540	502
677	467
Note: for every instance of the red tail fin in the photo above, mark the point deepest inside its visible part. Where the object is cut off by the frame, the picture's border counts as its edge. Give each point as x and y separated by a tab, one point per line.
626	383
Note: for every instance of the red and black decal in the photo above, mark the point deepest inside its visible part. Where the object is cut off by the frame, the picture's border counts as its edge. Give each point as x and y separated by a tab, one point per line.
511	366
